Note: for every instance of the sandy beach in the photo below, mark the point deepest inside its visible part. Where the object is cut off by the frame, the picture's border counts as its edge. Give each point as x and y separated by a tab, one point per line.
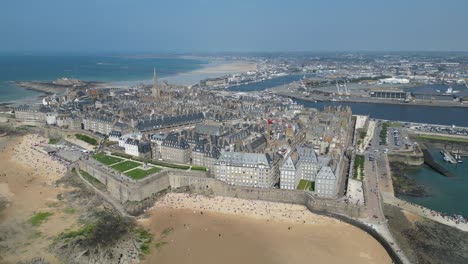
27	180
214	229
228	67
212	70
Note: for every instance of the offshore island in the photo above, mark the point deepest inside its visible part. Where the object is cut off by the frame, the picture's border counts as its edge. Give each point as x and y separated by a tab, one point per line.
102	174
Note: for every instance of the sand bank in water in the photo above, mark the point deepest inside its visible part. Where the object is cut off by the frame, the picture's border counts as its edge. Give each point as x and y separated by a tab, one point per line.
228	68
229	230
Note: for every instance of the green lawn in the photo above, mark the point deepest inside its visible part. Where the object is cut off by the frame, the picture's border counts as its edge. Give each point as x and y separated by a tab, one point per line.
443	138
394	124
199	168
158	163
306	185
140	173
87	139
106	159
125	166
358	172
169	165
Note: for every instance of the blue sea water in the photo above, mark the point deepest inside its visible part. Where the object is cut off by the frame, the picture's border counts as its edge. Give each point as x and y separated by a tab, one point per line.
84	67
260	86
457	116
447	195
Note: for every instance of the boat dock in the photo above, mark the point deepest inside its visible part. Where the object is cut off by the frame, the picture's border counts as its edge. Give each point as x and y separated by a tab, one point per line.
429	161
448	157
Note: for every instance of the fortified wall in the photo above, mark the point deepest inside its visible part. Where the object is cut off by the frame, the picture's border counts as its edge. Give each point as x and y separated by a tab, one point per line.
123	189
414	158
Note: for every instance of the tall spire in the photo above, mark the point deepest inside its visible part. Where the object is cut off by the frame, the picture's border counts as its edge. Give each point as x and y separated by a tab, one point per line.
155	78
155	91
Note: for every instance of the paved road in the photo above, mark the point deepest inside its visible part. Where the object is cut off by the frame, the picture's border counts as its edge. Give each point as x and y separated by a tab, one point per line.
375	181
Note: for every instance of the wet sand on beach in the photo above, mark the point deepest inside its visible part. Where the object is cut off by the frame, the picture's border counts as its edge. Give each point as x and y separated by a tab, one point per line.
210	236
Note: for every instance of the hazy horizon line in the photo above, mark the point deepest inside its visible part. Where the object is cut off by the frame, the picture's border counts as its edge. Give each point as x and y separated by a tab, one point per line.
208	53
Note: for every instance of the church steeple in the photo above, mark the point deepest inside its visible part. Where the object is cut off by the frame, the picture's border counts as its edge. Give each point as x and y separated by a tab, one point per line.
155	77
155	91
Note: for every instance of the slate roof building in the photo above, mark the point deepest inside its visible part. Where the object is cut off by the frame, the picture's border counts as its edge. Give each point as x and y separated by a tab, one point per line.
176	149
138	148
204	154
246	169
327	183
169	121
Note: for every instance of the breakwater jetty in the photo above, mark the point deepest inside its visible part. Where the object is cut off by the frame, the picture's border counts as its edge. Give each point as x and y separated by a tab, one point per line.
429	161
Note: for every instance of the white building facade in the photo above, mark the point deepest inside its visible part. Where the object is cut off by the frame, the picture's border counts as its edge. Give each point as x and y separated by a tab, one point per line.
245	169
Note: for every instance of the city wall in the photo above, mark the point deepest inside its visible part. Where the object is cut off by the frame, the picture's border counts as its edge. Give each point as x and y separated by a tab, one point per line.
125	189
407	158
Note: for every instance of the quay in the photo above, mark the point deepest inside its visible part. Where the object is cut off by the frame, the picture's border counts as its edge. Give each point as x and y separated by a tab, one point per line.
368	100
429	161
448	157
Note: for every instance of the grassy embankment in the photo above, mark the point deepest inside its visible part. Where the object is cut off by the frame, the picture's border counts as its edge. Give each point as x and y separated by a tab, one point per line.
95	182
358	167
394	124
443	138
87	139
106	159
383	133
361	135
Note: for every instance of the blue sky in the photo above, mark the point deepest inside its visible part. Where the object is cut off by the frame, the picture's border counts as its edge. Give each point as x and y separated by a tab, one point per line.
234	26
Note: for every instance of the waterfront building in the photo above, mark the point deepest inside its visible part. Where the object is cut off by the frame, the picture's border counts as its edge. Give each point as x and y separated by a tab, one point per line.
246	169
115	135
388	94
148	125
288	174
204	154
30	115
138	148
99	124
327	183
156	144
123	138
304	164
308	164
70	122
176	149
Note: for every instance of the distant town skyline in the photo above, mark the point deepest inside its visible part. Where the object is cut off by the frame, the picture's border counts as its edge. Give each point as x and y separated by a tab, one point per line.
215	26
